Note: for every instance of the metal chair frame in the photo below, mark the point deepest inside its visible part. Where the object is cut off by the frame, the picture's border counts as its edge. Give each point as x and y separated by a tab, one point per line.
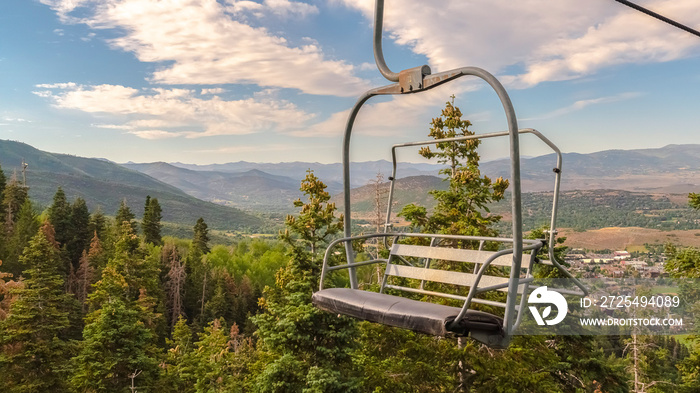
415	80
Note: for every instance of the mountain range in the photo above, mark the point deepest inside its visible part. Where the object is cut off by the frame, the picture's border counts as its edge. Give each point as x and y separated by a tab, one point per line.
105	184
189	191
263	186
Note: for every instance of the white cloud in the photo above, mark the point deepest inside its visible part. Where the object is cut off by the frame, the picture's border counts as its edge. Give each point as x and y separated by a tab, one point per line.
581	104
394	117
204	42
56	85
15	119
549	40
216	90
163	113
157	134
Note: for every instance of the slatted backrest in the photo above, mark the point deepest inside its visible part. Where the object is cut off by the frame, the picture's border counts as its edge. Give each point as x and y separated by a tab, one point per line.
443	276
448	254
455	254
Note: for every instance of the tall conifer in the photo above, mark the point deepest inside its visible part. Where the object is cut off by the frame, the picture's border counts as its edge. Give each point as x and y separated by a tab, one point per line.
310	350
124	214
80	237
60	217
118	338
13	198
150	224
33	352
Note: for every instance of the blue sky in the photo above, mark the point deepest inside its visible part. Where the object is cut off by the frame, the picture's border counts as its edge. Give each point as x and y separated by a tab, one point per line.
207	81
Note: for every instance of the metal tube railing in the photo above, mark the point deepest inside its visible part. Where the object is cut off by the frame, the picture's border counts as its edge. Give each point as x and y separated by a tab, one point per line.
378	52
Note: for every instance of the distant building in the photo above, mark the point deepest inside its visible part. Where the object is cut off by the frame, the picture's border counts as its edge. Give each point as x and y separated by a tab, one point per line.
612	271
621	255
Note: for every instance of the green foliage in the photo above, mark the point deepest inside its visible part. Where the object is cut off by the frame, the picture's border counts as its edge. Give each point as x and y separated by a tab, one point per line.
123	215
80	235
694	200
24	230
119	336
306	350
150	224
60	217
176	375
218	362
13	197
316	222
33	349
200	240
685	263
460	209
221	359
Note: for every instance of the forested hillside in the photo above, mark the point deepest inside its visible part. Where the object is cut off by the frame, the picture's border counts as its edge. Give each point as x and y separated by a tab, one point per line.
106	184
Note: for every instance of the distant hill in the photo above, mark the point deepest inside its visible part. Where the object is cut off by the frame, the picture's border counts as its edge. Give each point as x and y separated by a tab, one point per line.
670	169
331	174
272	187
101	182
252	189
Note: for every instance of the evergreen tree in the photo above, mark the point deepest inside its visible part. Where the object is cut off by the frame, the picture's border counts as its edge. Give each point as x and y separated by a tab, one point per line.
694	200
25	228
177	375
98	223
96	256
151	225
310	350
124	214
80	237
60	217
14	196
33	352
460	209
119	336
200	241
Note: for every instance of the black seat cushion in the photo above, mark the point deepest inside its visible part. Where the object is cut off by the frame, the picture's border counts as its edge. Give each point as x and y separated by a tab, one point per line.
404	313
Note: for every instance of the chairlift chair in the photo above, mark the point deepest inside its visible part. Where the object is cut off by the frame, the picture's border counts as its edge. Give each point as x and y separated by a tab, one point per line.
413	263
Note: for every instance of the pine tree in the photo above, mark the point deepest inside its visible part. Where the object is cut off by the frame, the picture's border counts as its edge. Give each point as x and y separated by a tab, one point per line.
14	196
60	217
460	209
151	225
200	241
178	375
124	214
25	228
80	237
310	349
98	223
33	350
694	200
119	336
221	360
96	254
